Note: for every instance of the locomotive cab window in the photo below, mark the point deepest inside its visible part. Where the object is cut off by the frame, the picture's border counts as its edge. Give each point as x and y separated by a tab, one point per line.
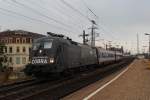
36	46
47	44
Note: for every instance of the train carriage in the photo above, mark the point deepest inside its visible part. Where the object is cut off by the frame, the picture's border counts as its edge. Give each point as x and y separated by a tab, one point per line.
105	56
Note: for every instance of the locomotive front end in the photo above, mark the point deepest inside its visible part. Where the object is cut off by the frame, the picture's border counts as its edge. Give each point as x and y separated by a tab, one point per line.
42	57
42	52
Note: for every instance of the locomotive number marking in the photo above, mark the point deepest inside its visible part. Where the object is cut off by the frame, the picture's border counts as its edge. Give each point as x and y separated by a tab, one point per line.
39	61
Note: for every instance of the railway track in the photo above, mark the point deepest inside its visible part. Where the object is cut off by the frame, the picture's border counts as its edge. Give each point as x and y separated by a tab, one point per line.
15	83
25	89
56	89
6	89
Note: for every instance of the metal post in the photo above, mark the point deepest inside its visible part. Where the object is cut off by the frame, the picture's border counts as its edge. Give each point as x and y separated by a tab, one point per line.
92	36
93	33
149	46
84	42
84	36
138	44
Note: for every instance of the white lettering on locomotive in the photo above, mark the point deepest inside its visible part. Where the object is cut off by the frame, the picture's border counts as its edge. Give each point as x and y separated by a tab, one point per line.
39	61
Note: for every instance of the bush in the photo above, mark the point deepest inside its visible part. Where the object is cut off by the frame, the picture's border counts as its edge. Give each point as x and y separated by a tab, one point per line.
2	68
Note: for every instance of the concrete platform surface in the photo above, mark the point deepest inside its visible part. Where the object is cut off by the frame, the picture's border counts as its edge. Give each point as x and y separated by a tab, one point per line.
132	83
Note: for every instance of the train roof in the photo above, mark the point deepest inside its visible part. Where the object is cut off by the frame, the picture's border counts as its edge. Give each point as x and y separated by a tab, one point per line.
63	39
69	41
104	50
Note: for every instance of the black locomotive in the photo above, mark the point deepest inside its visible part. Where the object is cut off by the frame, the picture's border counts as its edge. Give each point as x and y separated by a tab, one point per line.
56	54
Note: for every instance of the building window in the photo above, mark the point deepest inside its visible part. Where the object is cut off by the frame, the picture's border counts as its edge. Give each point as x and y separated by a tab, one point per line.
5	49
24	60
29	50
2	40
1	50
18	50
6	40
24	40
10	59
10	40
5	59
27	40
24	49
13	40
10	49
17	60
18	40
30	40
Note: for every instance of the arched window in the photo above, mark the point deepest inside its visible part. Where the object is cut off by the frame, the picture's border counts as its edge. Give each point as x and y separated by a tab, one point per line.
10	59
24	40
17	40
10	40
10	50
18	49
24	49
23	60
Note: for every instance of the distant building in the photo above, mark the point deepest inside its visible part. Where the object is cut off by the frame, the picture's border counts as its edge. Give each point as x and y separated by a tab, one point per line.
18	44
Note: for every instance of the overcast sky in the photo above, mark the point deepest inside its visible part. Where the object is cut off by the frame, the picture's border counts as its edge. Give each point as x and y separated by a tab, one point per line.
118	21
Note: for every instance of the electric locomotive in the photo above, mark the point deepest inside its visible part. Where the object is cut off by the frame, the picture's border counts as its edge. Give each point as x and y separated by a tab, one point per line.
55	54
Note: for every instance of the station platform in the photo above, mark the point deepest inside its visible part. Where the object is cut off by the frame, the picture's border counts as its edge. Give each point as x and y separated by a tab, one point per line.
131	83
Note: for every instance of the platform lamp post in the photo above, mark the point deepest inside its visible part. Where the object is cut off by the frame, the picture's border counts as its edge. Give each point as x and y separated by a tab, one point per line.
149	44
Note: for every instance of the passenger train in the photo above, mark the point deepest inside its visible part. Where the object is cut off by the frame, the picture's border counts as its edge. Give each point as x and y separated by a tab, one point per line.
55	54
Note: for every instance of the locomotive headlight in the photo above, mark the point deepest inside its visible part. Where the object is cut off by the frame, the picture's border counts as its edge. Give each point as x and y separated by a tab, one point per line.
51	60
40	51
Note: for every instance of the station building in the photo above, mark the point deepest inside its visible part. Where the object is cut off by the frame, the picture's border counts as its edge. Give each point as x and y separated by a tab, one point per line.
18	44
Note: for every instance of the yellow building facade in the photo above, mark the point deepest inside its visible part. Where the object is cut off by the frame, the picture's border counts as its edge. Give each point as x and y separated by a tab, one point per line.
17	55
18	44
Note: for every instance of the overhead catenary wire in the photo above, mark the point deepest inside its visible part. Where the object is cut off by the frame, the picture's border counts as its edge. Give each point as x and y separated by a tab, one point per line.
6	13
101	27
37	12
89	8
68	5
66	29
108	32
91	20
30	8
61	10
74	9
77	12
62	13
32	19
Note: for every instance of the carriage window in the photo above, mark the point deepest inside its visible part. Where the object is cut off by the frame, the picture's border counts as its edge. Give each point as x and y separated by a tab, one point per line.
47	45
36	46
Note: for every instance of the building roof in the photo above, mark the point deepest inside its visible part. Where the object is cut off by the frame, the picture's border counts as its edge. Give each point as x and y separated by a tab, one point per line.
20	33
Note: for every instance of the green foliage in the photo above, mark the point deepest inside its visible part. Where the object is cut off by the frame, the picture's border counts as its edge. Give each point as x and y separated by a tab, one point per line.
1	65
2	56
2	46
